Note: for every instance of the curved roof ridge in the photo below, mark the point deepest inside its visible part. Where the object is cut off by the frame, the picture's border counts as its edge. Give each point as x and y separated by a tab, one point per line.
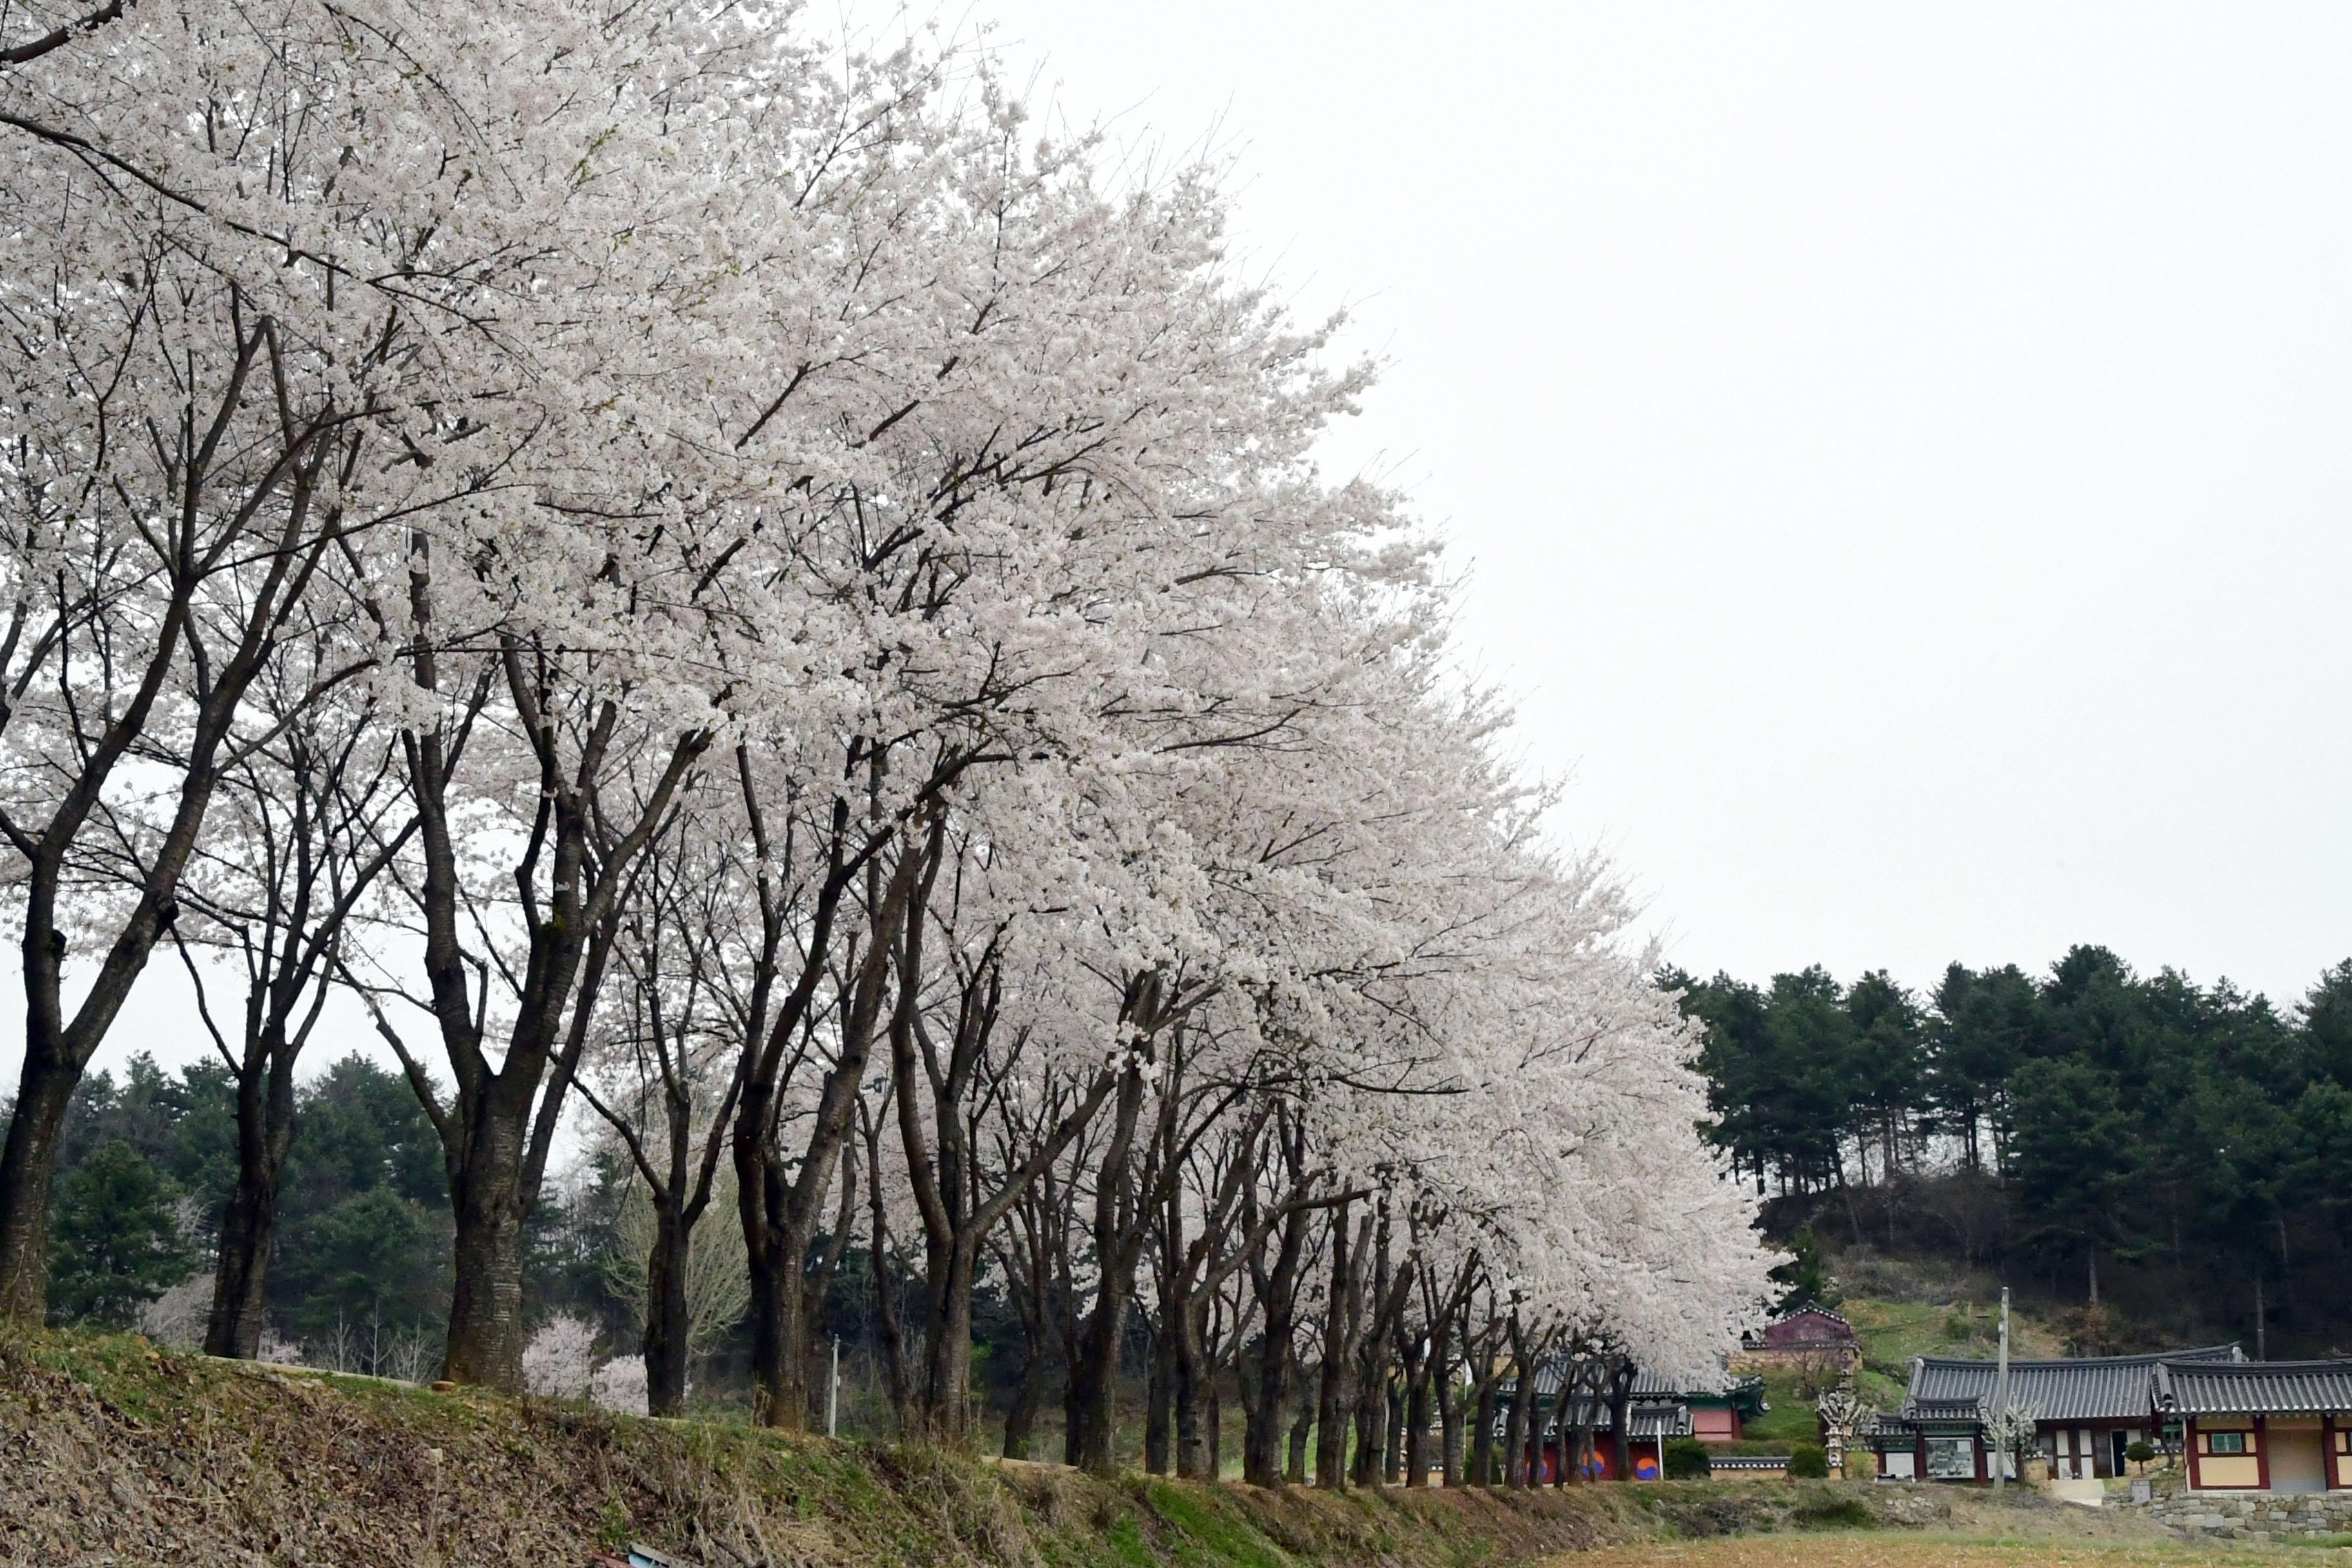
2202	1354
1812	1307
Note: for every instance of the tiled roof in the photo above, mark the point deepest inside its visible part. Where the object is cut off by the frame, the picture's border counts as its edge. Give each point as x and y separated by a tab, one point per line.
1815	1310
1935	1410
2254	1387
1658	1421
1643	1421
1888	1430
1647	1385
2095	1388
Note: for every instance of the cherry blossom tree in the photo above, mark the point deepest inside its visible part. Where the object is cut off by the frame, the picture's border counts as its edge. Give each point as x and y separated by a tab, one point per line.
732	580
244	311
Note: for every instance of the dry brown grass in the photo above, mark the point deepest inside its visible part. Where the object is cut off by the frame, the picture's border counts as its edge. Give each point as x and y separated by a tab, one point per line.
1907	1551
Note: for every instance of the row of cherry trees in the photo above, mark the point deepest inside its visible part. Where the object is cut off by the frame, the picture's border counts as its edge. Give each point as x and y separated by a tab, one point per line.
695	572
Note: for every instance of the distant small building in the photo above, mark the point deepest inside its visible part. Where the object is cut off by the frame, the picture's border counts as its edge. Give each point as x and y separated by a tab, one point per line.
2088	1411
1722	1416
1808	1335
2260	1426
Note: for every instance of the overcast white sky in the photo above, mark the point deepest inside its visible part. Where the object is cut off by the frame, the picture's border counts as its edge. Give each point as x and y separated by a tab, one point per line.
1901	454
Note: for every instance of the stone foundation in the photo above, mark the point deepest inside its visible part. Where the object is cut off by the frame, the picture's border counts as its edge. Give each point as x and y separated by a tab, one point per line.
2253	1515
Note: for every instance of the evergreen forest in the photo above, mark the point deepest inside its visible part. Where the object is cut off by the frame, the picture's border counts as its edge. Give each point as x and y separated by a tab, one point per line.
2158	1158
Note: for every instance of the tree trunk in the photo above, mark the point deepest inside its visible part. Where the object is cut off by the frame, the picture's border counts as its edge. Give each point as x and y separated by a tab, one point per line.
486	1322
1276	1288
1158	1390
1332	1407
1368	1322
1092	1430
265	1135
1372	1412
1118	1241
1621	1416
1332	1394
1555	1418
1302	1428
1416	1423
1190	1387
1265	1400
1514	1440
1482	1435
240	1271
28	1168
947	1365
668	1327
1449	1401
779	1331
1021	1421
1215	1405
1027	1280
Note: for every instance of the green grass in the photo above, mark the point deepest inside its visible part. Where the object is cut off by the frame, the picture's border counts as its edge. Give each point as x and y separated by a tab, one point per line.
1789	1420
1125	1539
1212	1533
1892	1333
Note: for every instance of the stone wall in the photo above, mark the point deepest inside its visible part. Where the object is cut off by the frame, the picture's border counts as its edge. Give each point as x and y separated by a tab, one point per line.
2260	1516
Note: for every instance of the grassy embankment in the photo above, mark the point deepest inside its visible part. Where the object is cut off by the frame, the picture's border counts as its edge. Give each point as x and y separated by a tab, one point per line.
113	1449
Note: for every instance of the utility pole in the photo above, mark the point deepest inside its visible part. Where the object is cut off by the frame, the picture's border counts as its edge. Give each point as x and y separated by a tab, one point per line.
833	1393
1999	1423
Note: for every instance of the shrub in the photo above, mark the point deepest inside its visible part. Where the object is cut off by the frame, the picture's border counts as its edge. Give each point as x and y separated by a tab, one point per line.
1832	1513
1808	1462
560	1359
620	1384
1686	1460
2140	1452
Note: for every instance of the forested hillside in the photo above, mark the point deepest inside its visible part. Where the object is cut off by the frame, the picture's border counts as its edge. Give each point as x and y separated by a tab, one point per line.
2161	1156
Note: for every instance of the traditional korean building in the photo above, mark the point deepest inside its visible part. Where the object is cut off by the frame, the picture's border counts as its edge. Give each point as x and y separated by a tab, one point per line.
2260	1426
1658	1411
2088	1411
1802	1336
